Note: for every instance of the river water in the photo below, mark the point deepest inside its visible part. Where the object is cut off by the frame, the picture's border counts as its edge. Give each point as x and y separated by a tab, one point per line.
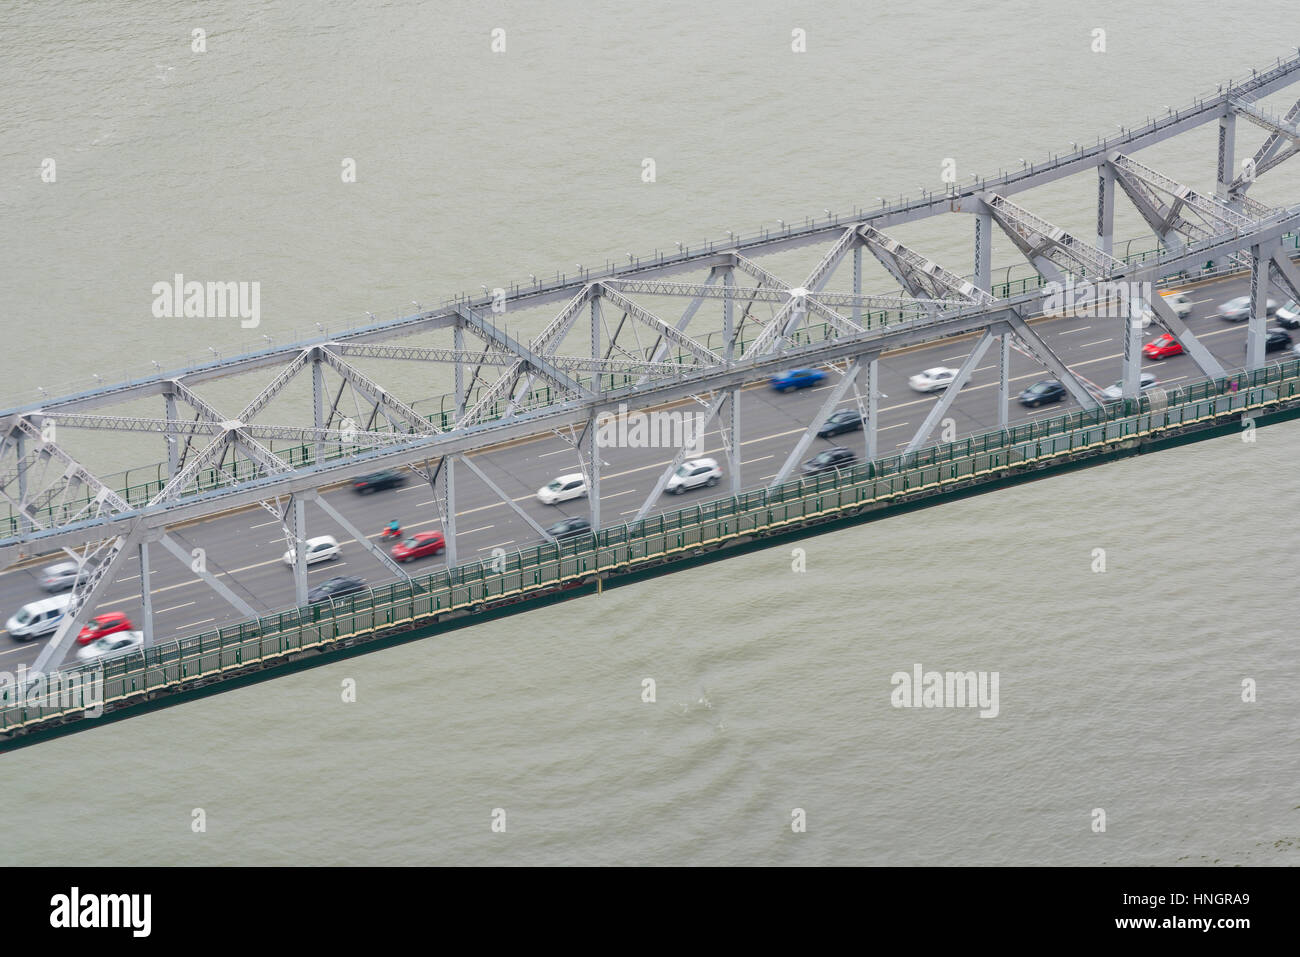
1119	690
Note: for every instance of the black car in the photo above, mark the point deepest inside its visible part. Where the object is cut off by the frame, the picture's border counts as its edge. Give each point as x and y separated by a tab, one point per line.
569	527
1040	393
836	458
1276	340
377	481
846	420
335	588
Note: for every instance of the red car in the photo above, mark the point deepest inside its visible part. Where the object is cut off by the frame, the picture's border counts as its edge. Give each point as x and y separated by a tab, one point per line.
1163	347
102	625
419	546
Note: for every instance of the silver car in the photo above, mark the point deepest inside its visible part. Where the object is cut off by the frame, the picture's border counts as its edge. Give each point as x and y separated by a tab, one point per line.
60	577
1238	310
1116	391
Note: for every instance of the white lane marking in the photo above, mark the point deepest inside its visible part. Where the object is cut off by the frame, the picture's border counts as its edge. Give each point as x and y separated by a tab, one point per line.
193	623
1070	332
1097	343
174	607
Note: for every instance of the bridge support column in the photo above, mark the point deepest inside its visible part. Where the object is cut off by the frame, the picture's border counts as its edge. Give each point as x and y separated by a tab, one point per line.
146	596
983	251
1227	154
1106	208
1004	378
447	479
731	425
173	441
1256	334
857	280
592	442
300	552
318	411
458	343
20	450
869	416
1132	354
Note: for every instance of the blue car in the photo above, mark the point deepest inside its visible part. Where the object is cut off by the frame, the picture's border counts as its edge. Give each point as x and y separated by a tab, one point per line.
797	379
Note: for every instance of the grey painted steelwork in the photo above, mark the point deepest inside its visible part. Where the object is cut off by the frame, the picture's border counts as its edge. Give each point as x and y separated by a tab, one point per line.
57	503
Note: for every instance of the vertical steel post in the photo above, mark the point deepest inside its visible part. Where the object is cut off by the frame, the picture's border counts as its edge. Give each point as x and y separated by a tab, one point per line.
857	280
591	439
1227	152
1256	334
173	441
869	426
318	406
146	596
447	477
300	550
458	343
1004	378
1132	352
20	450
984	250
1106	208
731	421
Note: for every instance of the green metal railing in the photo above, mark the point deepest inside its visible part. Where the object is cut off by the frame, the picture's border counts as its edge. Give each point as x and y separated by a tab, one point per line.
420	601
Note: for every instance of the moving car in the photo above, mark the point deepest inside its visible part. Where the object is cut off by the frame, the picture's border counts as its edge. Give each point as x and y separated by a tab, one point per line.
323	548
1163	347
832	459
101	625
378	481
562	489
1177	301
694	474
1040	393
333	588
1238	310
1116	391
1275	340
1288	316
845	420
569	528
797	379
61	576
38	618
933	380
420	545
118	643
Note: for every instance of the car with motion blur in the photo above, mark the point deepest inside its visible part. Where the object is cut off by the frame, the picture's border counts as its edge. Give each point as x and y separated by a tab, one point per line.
797	379
831	460
1238	310
696	473
1276	340
845	420
110	646
323	548
1177	301
569	528
38	618
1041	393
333	588
62	575
378	481
1288	315
563	489
1116	391
420	545
108	623
1163	347
933	380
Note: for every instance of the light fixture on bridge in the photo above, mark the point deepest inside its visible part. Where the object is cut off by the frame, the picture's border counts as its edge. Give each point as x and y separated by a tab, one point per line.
372	317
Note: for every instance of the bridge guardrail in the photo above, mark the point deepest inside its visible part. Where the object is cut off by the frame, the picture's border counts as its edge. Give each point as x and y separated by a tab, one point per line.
553	565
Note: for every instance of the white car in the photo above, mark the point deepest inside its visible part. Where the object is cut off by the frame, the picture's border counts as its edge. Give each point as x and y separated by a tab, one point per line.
1116	391
1178	301
562	489
1288	315
933	380
694	474
1238	310
118	643
320	549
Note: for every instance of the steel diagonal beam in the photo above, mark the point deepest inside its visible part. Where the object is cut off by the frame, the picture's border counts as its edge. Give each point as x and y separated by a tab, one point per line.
535	361
1044	354
801	299
496	357
395	410
1286	273
496	490
1050	249
1162	201
702	425
85	597
1270	154
687	314
940	408
827	407
103	500
546	341
644	316
211	580
1278	127
276	385
384	558
920	276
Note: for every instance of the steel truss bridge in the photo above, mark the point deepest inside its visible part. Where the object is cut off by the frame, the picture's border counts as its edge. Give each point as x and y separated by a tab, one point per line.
577	368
